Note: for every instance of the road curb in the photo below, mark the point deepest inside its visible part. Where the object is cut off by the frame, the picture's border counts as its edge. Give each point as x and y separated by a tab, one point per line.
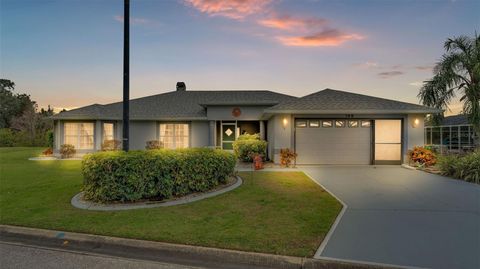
159	251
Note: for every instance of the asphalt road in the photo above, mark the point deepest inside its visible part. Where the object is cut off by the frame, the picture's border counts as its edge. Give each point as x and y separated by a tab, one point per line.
26	256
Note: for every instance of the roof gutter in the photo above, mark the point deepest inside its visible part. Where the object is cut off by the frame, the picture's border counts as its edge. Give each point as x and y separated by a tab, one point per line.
366	111
131	118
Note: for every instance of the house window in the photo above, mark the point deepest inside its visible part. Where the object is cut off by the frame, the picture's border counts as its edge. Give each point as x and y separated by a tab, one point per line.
301	124
79	134
352	123
108	131
365	124
313	124
339	123
174	135
327	123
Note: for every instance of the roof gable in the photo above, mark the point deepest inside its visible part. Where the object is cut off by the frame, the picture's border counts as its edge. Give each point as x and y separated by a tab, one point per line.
334	101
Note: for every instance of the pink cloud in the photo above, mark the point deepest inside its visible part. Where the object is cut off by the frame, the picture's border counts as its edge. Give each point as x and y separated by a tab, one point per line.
286	22
325	38
310	31
132	20
234	9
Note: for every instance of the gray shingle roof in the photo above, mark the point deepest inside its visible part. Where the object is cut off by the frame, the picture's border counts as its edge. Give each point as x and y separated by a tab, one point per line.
453	120
333	101
175	105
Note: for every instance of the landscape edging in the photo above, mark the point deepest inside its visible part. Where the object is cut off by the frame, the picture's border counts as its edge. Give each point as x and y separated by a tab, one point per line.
78	202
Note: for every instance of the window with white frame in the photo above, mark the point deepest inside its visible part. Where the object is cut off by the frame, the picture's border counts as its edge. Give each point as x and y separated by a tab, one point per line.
174	135
79	134
108	131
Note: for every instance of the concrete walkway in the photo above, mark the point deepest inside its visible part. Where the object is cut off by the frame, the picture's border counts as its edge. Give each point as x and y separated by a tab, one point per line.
396	216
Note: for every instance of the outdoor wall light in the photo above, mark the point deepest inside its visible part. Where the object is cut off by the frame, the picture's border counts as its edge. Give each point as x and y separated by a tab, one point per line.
416	122
285	122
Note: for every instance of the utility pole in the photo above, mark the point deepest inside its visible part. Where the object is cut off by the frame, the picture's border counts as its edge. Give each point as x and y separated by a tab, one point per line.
126	74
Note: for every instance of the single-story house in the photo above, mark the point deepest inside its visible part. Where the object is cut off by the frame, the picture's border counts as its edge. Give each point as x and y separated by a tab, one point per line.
325	127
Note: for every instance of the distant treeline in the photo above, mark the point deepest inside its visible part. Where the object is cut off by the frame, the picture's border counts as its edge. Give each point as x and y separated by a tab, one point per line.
21	122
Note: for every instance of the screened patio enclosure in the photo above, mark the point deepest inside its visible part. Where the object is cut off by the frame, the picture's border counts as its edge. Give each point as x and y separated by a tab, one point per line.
451	137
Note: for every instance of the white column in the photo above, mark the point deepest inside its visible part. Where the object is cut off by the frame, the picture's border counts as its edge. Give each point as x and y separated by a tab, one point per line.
98	135
262	130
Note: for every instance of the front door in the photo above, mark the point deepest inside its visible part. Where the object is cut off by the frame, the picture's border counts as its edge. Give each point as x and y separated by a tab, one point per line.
228	135
388	141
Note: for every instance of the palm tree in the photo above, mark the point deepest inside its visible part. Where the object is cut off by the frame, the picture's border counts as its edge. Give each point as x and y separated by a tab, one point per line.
457	73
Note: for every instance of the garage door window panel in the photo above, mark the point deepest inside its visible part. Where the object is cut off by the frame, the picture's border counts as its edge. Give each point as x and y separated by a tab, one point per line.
339	124
327	123
352	124
301	124
314	124
365	124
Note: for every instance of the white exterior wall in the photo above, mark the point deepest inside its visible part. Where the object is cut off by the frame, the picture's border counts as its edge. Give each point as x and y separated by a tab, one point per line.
139	133
413	135
199	134
282	135
224	113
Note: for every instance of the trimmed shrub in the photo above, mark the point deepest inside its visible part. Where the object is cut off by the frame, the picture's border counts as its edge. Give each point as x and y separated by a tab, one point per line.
67	151
465	167
110	145
247	146
154	144
422	156
153	174
287	156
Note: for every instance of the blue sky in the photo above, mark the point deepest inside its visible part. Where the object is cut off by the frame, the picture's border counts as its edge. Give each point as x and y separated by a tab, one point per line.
68	53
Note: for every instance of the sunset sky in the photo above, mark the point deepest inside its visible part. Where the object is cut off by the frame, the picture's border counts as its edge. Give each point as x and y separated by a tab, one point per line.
68	53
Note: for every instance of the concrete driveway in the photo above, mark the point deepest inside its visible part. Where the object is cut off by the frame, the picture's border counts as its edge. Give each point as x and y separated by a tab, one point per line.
396	216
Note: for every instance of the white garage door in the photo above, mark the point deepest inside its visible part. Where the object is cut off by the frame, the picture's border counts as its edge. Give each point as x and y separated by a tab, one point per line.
333	141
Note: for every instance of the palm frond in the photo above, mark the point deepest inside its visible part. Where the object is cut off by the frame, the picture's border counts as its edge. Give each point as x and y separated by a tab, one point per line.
457	72
462	43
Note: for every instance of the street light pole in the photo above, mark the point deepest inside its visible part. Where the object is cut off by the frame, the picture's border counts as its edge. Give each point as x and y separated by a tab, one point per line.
126	74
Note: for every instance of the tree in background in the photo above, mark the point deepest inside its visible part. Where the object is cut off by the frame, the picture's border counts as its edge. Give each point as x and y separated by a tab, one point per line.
20	123
11	104
457	73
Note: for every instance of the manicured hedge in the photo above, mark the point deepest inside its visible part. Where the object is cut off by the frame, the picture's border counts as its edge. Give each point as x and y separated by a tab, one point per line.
153	174
247	146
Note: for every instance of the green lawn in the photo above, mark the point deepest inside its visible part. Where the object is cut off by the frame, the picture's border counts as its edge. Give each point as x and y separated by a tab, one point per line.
273	212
